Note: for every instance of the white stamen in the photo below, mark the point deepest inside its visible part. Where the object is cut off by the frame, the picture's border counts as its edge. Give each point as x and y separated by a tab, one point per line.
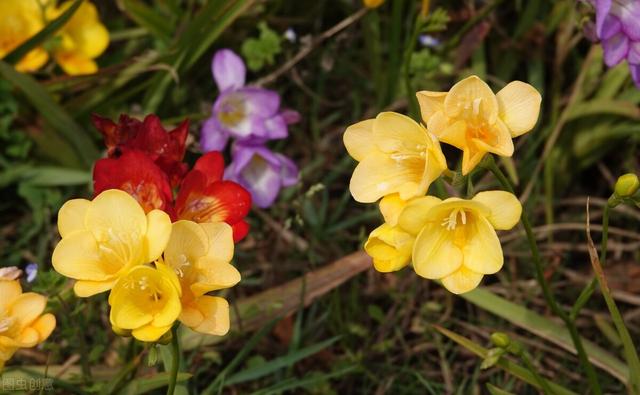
452	220
476	106
6	323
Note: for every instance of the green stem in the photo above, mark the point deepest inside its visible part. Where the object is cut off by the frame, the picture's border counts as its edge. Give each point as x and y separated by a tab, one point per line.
175	363
594	385
544	386
588	290
408	54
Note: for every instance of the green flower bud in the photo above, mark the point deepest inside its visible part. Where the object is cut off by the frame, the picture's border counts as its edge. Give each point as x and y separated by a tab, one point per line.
500	339
627	185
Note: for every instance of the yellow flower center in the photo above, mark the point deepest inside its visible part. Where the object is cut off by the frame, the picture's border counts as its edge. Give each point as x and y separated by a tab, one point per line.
232	110
145	290
117	249
183	266
147	194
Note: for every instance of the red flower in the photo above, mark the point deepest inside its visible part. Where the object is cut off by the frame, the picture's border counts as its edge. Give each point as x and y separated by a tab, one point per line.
166	149
205	197
135	173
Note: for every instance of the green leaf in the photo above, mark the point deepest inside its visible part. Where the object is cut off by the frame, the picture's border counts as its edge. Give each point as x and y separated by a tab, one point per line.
56	176
18	53
53	113
604	107
261	51
276	364
155	23
144	386
504	364
493	390
545	328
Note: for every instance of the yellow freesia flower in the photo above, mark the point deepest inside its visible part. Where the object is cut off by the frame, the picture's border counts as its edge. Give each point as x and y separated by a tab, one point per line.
19	21
82	39
474	119
456	241
104	238
145	301
396	155
22	324
200	253
389	245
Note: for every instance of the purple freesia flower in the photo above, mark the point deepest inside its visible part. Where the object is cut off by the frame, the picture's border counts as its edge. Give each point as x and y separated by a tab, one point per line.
32	271
244	113
618	28
262	172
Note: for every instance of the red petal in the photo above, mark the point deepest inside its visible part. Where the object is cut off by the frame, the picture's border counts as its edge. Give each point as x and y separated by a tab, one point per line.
240	230
211	165
221	201
135	173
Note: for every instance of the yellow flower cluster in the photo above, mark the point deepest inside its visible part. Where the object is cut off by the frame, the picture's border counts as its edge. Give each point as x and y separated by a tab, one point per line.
158	272
451	240
75	46
22	324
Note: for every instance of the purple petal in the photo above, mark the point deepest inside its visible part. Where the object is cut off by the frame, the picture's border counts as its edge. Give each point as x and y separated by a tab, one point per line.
602	13
212	137
276	127
629	14
228	70
290	116
634	54
258	170
635	74
610	27
32	271
262	102
288	171
615	49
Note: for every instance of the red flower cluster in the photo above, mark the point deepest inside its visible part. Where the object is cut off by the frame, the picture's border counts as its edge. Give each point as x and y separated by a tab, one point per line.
146	161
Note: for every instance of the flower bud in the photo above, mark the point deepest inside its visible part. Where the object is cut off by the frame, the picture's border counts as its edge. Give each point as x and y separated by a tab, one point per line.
627	185
500	339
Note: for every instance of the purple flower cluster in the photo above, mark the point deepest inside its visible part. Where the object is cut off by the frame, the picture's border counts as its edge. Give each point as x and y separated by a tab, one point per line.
250	116
618	28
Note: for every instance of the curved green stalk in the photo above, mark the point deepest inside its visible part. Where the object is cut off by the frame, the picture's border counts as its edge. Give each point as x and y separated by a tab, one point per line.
586	365
175	363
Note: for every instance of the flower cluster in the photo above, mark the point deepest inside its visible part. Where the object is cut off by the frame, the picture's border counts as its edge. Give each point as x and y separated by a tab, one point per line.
157	271
251	116
159	254
618	28
451	240
22	324
81	40
147	162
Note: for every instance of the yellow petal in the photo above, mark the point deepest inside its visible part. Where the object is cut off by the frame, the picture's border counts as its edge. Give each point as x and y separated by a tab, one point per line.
27	338
482	251
455	134
126	311
214	274
391	206
461	281
9	291
435	164
434	254
358	139
78	256
44	326
471	98
150	333
390	248
500	142
216	315
438	123
379	175
505	208
220	236
191	316
27	307
470	159
416	214
74	63
32	61
158	233
519	107
188	242
71	216
393	132
430	103
85	289
114	214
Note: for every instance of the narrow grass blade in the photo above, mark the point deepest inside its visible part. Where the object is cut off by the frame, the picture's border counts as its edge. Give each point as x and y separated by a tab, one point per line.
19	52
545	328
505	364
148	18
51	111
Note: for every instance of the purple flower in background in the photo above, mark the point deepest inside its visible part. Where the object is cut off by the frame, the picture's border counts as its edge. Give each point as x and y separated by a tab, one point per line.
618	28
32	271
261	171
244	113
